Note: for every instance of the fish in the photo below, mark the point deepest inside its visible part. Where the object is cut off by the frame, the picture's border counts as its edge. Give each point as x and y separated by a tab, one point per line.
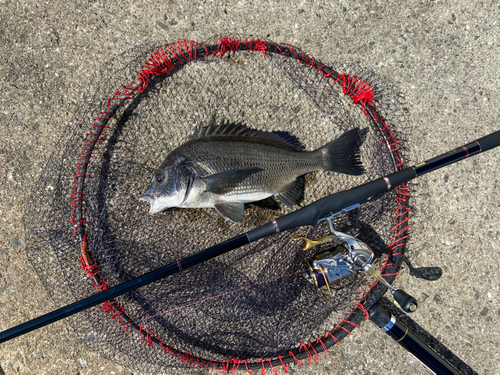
226	165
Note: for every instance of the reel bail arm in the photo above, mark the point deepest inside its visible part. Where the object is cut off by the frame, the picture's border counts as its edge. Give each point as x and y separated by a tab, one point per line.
333	267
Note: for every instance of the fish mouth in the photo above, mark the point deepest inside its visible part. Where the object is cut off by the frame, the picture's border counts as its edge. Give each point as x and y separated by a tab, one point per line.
157	202
146	198
154	207
150	200
150	197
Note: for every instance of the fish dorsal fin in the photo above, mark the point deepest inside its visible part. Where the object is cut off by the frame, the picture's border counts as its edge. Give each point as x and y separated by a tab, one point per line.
226	128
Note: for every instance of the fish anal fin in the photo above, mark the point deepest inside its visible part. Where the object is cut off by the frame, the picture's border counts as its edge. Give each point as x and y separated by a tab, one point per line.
224	182
293	193
231	210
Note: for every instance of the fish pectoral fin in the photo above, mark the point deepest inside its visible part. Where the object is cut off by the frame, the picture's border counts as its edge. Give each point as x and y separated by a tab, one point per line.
293	193
231	210
224	182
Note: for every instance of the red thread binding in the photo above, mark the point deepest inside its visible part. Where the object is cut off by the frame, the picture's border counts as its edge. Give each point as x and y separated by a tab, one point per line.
290	49
374	282
197	363
215	366
232	44
364	291
227	44
89	269
200	364
263	369
102	286
165	350
362	308
390	264
225	365
285	367
188	358
275	371
402	191
126	324
160	61
290	353
332	336
345	329
278	48
359	90
406	210
311	346
236	365
325	349
246	366
309	356
148	336
256	45
349	322
321	69
389	140
114	307
392	144
396	240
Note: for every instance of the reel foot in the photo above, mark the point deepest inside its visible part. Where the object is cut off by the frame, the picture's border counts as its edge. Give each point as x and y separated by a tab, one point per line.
309	244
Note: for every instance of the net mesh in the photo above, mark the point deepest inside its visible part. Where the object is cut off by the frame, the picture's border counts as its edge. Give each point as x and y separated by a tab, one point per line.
250	307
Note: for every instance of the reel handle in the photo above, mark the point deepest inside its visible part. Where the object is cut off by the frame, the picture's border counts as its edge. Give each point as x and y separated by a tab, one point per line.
405	301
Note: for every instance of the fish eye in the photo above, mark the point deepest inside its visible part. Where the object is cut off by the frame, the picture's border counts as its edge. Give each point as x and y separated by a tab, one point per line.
159	178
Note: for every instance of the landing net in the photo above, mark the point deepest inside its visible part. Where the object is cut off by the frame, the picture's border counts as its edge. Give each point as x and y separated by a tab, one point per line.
250	308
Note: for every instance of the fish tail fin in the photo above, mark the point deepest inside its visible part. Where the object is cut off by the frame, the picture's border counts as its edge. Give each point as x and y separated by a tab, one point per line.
342	154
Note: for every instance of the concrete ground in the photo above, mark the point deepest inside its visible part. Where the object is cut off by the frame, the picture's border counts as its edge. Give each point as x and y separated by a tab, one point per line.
444	56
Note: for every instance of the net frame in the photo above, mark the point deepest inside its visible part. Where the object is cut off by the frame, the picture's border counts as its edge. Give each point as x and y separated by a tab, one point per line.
169	59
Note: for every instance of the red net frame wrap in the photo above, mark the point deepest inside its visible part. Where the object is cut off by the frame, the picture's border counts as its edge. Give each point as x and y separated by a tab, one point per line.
139	325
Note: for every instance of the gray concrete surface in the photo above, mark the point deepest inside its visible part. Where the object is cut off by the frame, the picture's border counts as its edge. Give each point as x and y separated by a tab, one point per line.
444	56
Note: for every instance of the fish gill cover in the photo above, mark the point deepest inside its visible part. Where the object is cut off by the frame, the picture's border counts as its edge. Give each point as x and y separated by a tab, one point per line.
250	308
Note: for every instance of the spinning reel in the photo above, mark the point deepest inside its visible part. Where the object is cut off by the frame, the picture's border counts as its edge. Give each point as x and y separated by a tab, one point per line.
344	262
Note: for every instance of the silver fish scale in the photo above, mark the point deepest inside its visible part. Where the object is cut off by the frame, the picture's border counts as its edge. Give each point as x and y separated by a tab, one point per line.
281	165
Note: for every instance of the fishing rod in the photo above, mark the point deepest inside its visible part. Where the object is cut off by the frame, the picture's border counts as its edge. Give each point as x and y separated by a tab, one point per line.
411	341
322	209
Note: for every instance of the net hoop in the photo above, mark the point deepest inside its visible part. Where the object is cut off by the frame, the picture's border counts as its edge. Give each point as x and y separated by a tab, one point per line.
169	59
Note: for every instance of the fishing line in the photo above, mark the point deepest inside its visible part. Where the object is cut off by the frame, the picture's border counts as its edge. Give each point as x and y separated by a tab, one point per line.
219	295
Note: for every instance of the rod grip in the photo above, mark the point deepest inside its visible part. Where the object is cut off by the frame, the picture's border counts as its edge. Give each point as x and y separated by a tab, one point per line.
490	141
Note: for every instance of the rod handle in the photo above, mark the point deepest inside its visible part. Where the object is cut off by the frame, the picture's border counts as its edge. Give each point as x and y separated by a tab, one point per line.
489	141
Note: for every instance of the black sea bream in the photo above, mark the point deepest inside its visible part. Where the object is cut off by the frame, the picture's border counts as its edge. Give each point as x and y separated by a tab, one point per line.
224	166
